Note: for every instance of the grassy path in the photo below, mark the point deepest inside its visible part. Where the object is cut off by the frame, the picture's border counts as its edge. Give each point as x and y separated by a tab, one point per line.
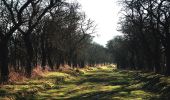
95	84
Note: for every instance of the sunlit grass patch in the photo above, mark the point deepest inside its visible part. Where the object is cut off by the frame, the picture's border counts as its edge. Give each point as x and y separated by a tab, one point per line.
94	83
136	85
127	98
142	94
110	88
165	79
55	74
117	98
139	92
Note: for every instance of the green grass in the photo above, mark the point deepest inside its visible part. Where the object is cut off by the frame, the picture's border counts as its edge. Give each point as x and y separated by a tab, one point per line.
103	83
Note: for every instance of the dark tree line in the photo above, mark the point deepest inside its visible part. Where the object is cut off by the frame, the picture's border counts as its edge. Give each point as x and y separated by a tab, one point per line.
45	33
145	43
23	16
97	54
119	53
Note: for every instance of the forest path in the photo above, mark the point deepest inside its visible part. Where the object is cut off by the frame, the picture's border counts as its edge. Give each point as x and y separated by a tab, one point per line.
103	83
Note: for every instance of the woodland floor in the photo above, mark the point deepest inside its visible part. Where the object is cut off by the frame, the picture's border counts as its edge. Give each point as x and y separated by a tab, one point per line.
102	83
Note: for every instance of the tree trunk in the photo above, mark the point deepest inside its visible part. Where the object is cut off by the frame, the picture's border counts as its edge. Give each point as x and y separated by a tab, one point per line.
4	61
157	58
29	57
167	49
74	60
50	63
82	64
167	53
61	60
43	63
131	61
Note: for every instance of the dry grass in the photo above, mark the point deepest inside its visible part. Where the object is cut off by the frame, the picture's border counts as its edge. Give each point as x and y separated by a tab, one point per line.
20	76
15	76
39	72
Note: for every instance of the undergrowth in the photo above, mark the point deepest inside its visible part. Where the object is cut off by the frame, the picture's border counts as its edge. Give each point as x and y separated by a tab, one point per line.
89	83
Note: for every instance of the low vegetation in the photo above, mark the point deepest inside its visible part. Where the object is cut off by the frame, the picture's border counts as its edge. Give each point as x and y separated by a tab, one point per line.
99	83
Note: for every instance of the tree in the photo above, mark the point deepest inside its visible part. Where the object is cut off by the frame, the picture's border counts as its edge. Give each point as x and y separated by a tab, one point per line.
118	48
146	27
68	32
11	14
33	14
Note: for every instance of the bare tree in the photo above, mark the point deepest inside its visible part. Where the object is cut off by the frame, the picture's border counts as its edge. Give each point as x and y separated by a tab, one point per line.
11	15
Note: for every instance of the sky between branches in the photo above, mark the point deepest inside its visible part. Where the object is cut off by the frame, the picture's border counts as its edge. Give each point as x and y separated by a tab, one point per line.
106	14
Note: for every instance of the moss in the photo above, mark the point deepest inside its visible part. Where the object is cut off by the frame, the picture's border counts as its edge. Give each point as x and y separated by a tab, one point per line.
138	92
90	83
110	88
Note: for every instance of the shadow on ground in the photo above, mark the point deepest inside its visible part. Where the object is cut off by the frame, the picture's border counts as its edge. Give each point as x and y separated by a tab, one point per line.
97	84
